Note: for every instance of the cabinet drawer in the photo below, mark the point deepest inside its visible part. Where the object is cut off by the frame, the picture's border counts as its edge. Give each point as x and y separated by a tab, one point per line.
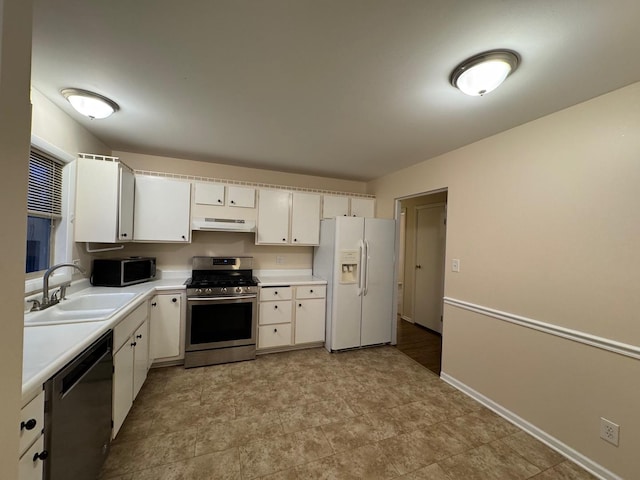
30	469
127	326
30	413
311	291
275	293
274	335
274	312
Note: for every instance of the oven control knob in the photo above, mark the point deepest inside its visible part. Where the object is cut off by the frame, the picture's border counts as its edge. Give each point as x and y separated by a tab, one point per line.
198	290
238	289
208	290
223	289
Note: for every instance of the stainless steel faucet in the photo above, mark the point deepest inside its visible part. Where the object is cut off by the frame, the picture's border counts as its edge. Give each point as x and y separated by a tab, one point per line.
47	301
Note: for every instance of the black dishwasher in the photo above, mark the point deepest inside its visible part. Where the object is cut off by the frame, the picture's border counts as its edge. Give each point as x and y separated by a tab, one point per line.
78	403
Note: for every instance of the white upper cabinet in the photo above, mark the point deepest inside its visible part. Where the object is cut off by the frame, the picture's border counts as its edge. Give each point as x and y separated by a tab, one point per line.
241	197
288	218
273	217
335	206
305	219
224	195
209	194
162	210
104	201
363	207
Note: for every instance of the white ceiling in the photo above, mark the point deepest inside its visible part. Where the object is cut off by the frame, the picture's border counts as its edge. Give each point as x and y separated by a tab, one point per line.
341	88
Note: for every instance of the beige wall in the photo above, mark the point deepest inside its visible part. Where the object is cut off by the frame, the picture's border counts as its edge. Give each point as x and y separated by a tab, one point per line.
229	172
409	251
173	256
15	112
53	125
545	219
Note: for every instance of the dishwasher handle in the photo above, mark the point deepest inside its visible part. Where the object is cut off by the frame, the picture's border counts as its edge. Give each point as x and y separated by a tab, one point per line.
75	372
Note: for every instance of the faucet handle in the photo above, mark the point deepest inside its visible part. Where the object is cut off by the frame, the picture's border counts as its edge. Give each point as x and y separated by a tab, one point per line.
54	297
63	290
36	305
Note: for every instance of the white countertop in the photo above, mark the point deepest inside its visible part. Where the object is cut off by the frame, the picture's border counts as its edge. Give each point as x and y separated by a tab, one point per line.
278	278
48	348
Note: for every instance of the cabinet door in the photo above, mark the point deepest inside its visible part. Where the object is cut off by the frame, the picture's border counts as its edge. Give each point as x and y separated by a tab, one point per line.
141	357
310	320
209	194
125	208
165	326
122	384
241	197
96	213
274	335
274	312
363	207
162	210
28	468
273	216
305	219
335	206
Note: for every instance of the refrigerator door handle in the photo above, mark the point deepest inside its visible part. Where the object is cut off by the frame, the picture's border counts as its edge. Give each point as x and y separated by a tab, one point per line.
360	277
366	270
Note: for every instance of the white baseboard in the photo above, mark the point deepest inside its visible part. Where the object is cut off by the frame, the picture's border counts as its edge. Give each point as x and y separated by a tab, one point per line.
408	319
552	442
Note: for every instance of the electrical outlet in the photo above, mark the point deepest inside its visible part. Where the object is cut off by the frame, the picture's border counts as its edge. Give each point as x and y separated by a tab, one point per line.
76	262
455	265
609	431
279	260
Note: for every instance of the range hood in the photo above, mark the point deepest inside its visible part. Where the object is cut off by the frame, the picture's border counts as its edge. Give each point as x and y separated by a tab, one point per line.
223	225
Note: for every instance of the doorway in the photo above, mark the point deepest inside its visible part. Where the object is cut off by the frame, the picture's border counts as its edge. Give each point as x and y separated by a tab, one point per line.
422	255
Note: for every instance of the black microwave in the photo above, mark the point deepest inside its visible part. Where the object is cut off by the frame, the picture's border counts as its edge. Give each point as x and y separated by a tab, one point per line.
120	272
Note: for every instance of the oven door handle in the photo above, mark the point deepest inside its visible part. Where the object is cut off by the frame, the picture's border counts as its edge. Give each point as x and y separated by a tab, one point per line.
216	299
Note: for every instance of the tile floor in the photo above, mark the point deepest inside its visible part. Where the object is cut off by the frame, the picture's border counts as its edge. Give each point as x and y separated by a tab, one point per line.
365	414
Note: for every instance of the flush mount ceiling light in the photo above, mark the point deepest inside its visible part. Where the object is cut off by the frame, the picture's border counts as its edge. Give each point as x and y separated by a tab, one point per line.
485	72
90	104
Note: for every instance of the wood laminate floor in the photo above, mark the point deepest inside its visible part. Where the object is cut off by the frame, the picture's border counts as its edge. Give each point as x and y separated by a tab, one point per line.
365	414
421	344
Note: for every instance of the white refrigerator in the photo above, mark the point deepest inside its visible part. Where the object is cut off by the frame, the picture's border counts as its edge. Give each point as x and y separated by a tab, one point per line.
357	258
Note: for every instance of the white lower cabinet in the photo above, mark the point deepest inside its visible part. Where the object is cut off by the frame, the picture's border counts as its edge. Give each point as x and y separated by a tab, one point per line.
290	316
310	320
130	362
166	325
32	452
31	466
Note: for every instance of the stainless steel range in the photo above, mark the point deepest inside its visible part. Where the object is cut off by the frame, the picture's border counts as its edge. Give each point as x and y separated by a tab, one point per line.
222	300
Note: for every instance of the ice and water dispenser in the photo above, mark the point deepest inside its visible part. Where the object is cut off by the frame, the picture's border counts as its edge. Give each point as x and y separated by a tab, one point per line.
349	264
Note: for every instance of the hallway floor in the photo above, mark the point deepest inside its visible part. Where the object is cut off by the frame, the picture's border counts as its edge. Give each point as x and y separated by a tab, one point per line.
421	344
364	414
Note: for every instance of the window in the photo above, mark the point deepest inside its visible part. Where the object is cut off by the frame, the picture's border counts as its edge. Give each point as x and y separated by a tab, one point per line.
44	209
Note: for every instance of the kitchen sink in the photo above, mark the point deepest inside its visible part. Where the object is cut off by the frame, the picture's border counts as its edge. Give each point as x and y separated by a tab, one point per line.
95	301
93	307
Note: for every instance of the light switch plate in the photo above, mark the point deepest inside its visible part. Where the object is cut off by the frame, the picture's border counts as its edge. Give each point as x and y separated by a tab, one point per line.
455	265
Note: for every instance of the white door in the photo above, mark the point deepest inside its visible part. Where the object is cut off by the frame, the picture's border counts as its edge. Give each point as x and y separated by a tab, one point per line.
273	216
164	328
305	218
335	206
377	300
141	357
125	217
346	303
429	267
162	210
122	384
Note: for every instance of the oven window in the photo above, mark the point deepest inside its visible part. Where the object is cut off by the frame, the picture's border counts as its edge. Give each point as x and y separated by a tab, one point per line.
221	322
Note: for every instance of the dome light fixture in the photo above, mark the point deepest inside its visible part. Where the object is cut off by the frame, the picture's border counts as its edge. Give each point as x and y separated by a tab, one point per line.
484	72
90	104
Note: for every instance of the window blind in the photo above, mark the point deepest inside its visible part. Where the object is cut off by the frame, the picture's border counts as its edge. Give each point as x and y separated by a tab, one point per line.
44	198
